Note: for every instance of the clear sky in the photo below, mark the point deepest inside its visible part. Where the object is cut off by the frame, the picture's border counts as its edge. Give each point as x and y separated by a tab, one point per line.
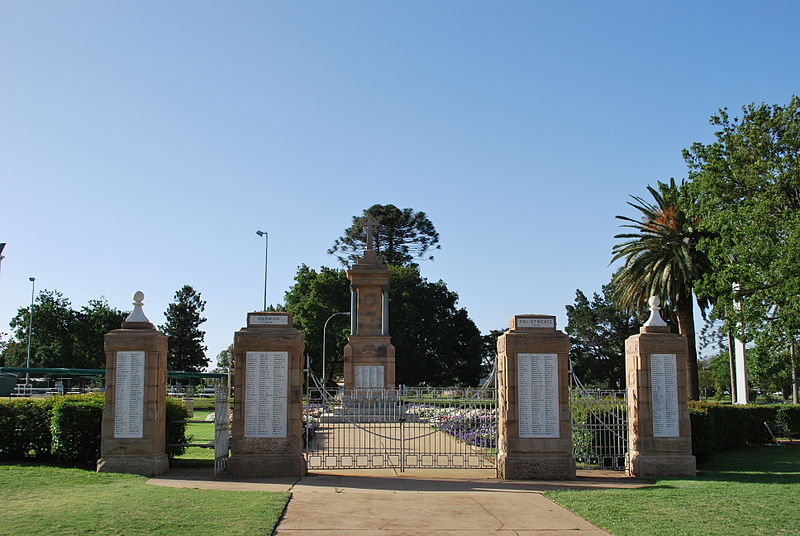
142	144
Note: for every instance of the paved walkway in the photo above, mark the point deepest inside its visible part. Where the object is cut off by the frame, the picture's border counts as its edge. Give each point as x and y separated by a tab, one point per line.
385	503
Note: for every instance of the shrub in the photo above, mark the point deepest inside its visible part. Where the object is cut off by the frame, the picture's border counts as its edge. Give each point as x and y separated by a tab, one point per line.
76	428
176	430
25	429
718	427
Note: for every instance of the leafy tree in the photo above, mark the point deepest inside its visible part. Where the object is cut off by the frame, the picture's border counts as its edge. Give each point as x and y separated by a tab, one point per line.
662	259
401	236
225	360
597	331
186	349
435	341
746	187
52	341
314	297
62	336
92	323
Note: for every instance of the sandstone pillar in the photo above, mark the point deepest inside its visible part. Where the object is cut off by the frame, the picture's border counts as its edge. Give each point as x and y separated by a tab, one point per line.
535	424
659	429
134	418
369	354
267	434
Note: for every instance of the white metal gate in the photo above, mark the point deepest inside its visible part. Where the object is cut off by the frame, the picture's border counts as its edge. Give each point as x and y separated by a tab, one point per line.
404	428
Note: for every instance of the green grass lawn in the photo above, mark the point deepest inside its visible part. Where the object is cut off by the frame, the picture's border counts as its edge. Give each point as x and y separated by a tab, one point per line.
198	433
744	492
59	501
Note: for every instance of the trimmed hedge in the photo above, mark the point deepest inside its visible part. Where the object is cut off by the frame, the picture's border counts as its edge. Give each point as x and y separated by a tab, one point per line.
25	429
718	427
76	423
68	428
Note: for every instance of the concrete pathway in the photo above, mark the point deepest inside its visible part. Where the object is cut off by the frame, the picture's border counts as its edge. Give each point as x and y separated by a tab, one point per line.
385	503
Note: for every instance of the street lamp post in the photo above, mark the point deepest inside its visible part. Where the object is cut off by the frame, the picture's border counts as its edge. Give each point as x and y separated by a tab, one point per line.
2	247
266	251
324	329
30	327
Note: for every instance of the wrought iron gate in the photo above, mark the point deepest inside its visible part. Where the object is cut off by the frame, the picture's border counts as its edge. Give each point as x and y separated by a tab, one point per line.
222	428
403	428
599	428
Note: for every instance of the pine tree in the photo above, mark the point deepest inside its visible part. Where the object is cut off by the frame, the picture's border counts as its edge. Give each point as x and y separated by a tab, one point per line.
186	349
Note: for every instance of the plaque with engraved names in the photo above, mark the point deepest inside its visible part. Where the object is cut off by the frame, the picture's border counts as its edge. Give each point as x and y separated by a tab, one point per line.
664	389
369	377
265	394
129	395
537	387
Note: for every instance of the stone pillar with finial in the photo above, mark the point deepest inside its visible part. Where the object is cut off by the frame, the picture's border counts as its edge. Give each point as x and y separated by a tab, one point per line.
534	420
134	418
659	430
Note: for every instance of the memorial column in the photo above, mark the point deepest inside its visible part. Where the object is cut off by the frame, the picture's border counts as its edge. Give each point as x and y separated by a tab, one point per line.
134	417
535	424
659	429
267	434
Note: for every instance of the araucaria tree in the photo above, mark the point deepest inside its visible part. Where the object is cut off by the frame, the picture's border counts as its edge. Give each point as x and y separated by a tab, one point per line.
186	349
662	259
401	237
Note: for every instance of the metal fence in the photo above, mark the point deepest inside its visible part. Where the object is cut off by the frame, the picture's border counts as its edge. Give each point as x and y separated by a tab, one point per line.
599	428
401	428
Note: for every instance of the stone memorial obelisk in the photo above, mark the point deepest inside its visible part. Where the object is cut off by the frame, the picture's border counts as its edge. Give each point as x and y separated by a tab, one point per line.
659	430
369	354
134	418
267	434
535	424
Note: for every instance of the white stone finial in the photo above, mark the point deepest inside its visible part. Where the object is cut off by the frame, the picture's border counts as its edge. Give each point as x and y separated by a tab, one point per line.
655	319
137	315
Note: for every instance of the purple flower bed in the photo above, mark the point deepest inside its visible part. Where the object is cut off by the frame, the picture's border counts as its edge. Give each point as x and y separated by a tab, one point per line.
473	426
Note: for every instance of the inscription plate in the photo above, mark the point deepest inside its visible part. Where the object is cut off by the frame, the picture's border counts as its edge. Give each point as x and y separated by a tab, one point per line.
664	389
265	394
369	377
269	320
129	395
537	387
536	323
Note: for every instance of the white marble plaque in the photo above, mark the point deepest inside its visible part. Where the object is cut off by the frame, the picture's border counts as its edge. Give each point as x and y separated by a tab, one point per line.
664	393
129	395
369	377
265	394
536	323
269	320
537	386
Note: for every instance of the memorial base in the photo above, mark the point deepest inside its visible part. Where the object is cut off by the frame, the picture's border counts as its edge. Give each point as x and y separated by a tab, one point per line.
259	465
138	465
535	467
662	465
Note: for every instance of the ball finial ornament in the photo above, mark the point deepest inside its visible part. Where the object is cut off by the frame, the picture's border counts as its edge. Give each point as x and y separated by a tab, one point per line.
138	296
654	301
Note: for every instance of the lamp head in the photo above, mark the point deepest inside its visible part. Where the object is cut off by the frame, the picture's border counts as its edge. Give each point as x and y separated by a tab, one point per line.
260	233
31	279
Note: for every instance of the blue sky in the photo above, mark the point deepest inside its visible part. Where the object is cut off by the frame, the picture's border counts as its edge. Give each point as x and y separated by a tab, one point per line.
142	144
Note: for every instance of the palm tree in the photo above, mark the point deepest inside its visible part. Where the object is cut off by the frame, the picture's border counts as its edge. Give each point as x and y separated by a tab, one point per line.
662	259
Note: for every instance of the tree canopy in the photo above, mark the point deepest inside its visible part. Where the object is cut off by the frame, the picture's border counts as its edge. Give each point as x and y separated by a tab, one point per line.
745	186
597	330
435	341
61	336
402	236
183	318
